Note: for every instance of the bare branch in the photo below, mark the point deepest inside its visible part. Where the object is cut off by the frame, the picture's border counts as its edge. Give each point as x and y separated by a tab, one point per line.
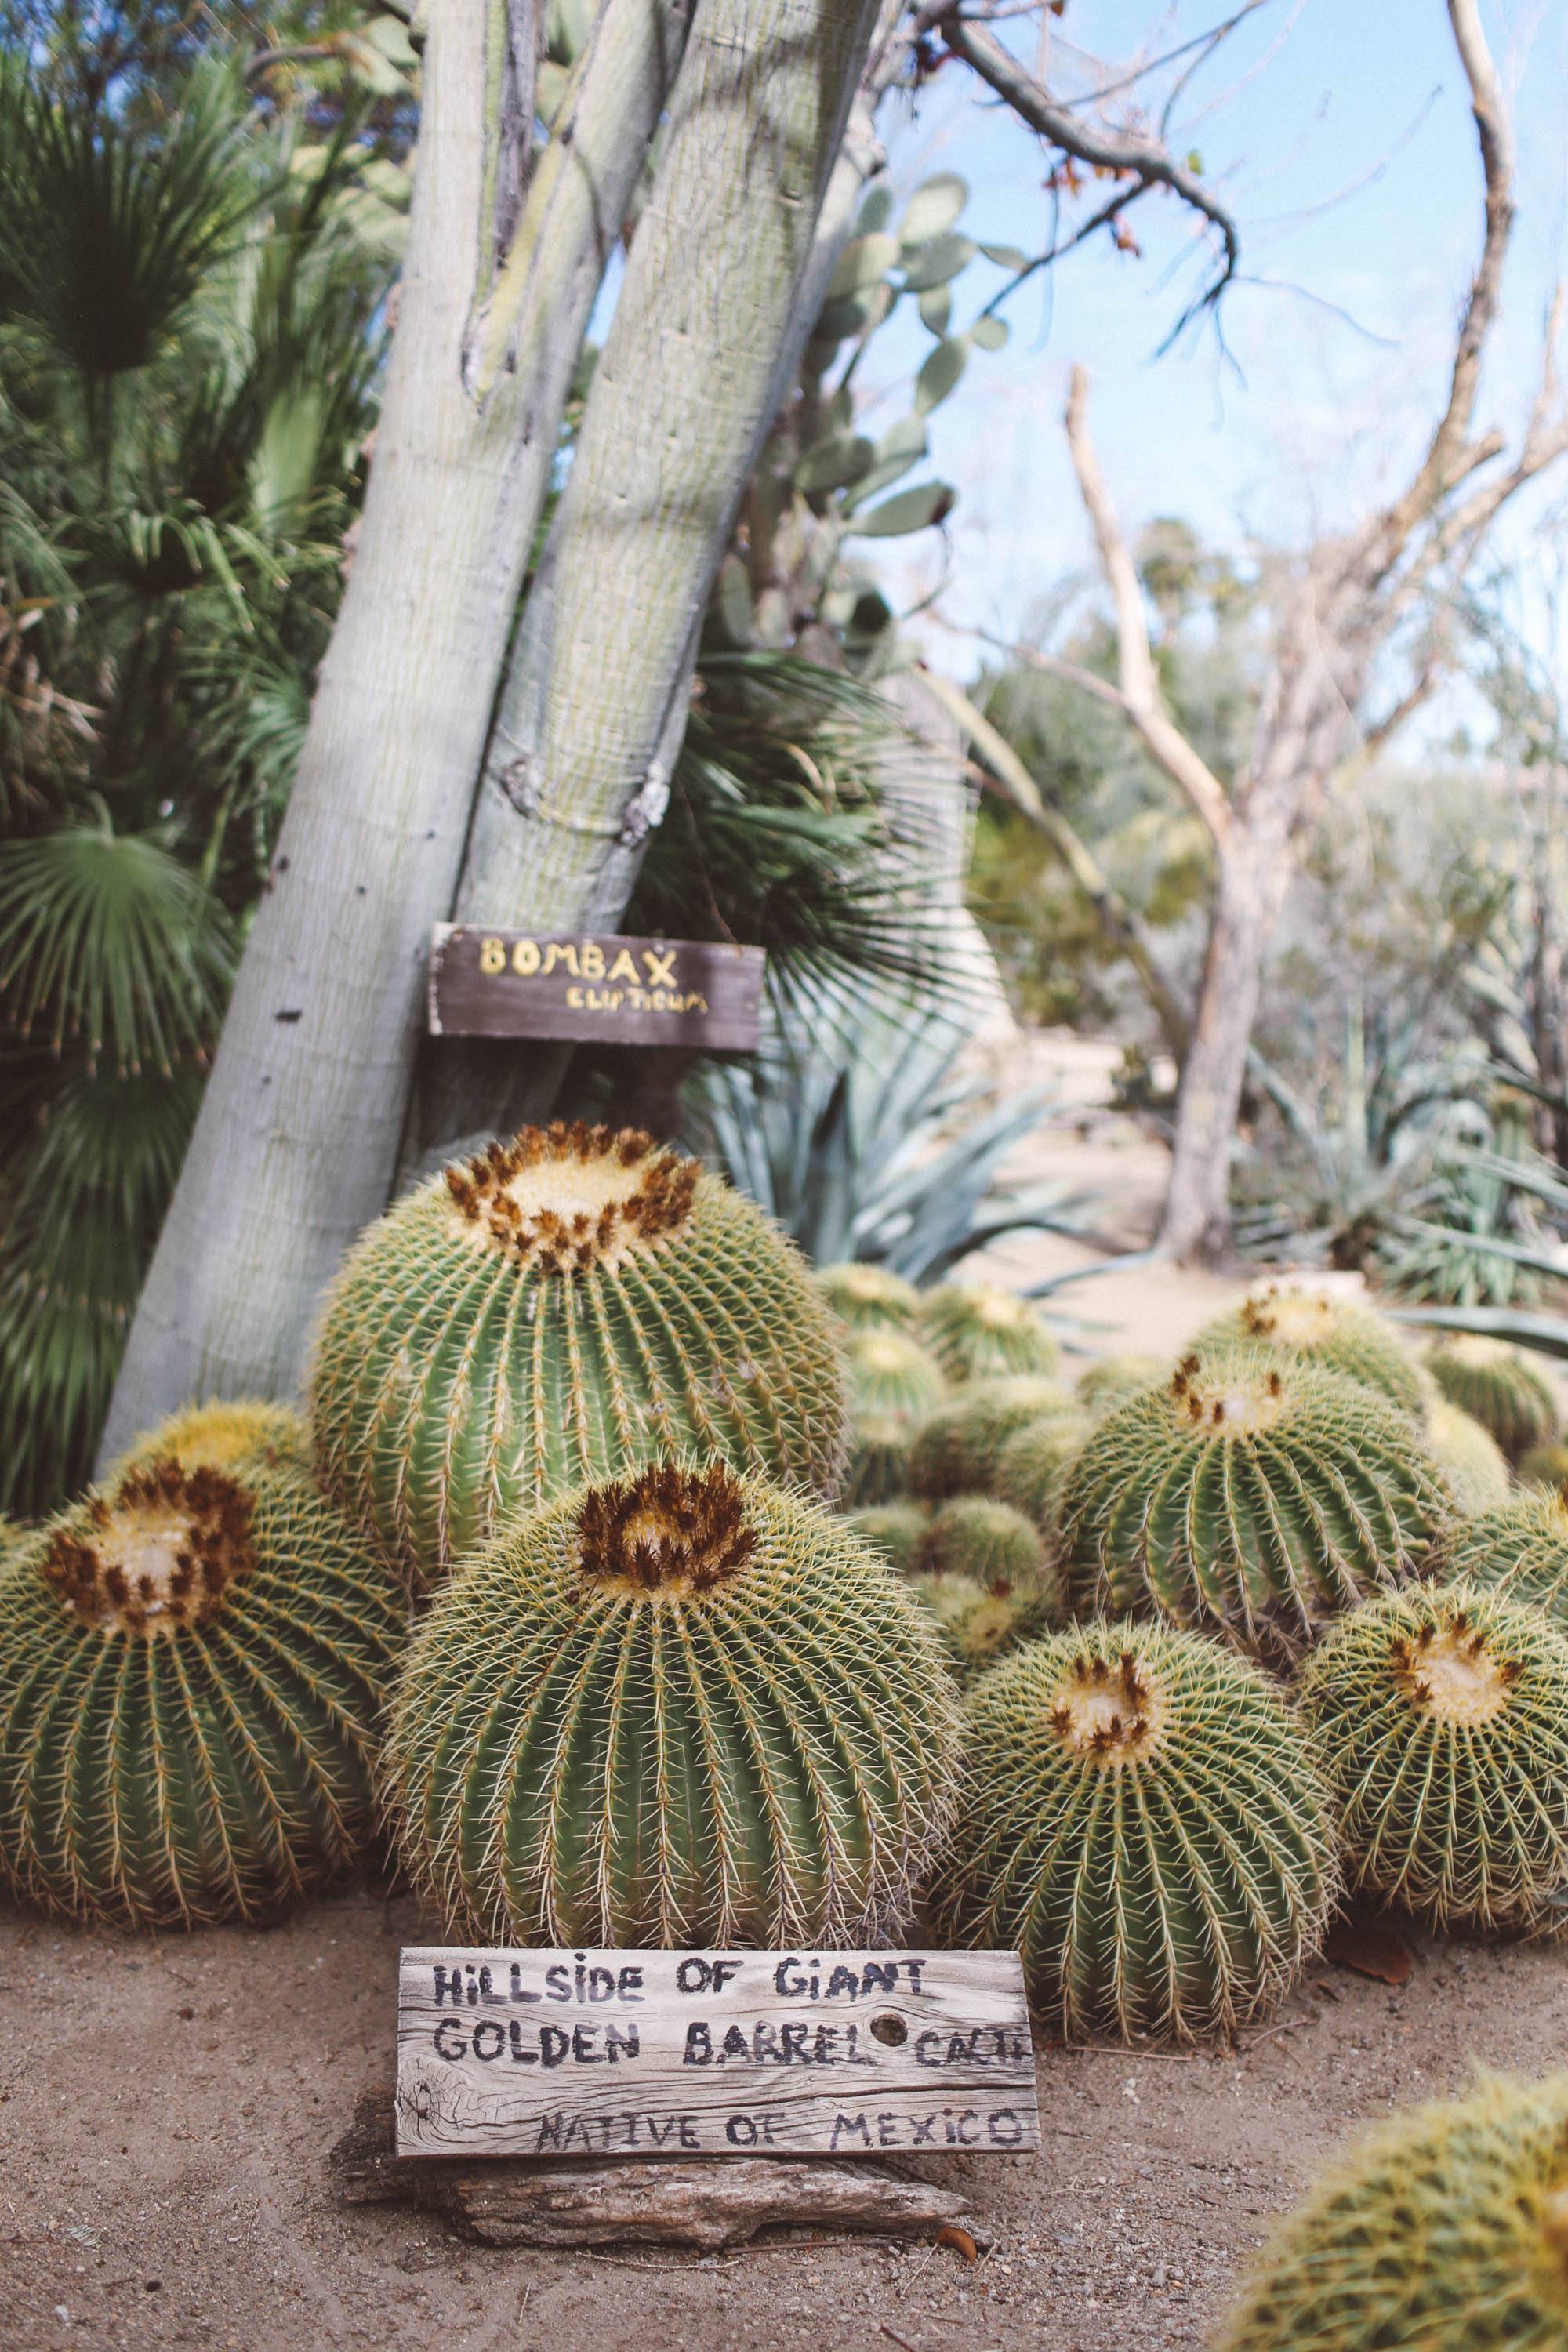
1130	152
1141	696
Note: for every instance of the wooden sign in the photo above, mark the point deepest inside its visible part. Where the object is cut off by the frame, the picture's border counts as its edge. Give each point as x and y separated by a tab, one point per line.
712	2052
631	991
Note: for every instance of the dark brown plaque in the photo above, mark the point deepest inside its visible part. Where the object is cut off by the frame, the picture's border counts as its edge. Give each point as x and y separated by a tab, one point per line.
486	983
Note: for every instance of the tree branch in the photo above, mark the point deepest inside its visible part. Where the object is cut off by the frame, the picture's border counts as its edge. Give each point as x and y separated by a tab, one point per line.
1140	696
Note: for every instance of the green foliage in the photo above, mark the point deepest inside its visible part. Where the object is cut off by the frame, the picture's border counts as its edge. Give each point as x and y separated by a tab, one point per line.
1518	1547
1443	1718
681	1708
893	1530
1447	2228
870	1298
1474	1465
957	1448
1030	1464
1254	1495
1143	1819
1498	1388
563	1309
979	1332
192	1668
1326	1329
893	1384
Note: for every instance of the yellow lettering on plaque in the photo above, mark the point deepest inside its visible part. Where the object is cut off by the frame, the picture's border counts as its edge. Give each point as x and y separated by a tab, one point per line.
574	999
660	967
623	969
492	955
556	952
593	959
525	957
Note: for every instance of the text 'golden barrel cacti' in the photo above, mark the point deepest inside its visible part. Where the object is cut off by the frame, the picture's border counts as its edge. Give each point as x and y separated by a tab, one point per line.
559	1309
681	1707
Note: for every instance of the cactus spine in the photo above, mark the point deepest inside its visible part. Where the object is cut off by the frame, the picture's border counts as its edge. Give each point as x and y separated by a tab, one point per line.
977	1332
1256	1495
1031	1464
1447	2229
870	1297
1443	1717
893	1530
1498	1388
980	1623
1143	1819
893	1384
192	1668
1520	1549
679	1707
957	1448
568	1306
1300	1320
222	1436
1111	1378
973	1536
1474	1465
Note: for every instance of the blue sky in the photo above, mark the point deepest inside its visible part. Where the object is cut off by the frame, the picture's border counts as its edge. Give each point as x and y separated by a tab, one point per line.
1313	414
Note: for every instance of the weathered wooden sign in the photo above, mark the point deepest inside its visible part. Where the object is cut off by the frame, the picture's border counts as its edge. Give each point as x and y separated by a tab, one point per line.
712	2052
633	992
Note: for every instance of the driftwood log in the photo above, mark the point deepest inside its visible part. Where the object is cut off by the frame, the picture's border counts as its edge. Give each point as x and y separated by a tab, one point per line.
702	2204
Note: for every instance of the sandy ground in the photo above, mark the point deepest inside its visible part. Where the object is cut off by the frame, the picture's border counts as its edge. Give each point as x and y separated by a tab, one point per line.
167	2105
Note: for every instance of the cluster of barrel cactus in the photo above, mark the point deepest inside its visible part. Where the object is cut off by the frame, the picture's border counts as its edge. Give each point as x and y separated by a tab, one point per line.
1500	1388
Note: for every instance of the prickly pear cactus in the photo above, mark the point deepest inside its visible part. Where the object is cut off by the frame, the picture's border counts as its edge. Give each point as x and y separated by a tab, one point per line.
1474	1465
1254	1496
1520	1549
957	1448
893	1530
1031	1464
562	1308
1545	1465
870	1297
977	1332
893	1385
231	1437
1111	1378
681	1707
1304	1321
193	1664
980	1623
1499	1388
973	1536
1143	1817
1447	2229
1443	1718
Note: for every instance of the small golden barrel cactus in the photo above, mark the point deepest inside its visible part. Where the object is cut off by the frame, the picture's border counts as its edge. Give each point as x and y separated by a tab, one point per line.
193	1664
979	1623
1255	1494
957	1448
1111	1378
1031	1464
1498	1387
1301	1320
1143	1819
978	1332
1445	2231
1442	1713
681	1707
221	1436
1545	1465
870	1297
893	1530
562	1308
972	1536
1473	1464
893	1385
1520	1549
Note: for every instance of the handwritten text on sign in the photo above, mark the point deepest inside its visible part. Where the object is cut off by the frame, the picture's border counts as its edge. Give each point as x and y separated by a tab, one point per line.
633	991
712	2052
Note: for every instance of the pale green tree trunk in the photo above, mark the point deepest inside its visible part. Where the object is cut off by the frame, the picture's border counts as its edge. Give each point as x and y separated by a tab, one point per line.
298	1136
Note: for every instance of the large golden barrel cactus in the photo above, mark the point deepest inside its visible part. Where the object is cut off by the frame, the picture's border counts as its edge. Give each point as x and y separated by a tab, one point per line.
192	1664
979	1332
681	1707
224	1437
1498	1387
1520	1549
562	1308
1301	1319
1254	1494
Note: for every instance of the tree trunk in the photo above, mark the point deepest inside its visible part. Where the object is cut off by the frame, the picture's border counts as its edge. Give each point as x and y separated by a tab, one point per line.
298	1134
724	281
1196	1228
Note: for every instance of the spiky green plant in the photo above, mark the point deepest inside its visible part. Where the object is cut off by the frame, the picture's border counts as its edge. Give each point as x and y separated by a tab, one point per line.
978	1332
1031	1464
191	1668
1474	1465
684	1707
893	1530
870	1297
980	1623
224	1437
1544	1465
957	1448
1498	1387
893	1385
1344	1337
1111	1378
1446	2230
1255	1494
972	1536
1143	1819
1443	1717
1520	1549
562	1308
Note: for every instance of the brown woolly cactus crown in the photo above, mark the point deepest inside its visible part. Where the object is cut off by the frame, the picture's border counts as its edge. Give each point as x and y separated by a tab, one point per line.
1240	1398
1111	1710
673	1531
156	1553
564	1199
